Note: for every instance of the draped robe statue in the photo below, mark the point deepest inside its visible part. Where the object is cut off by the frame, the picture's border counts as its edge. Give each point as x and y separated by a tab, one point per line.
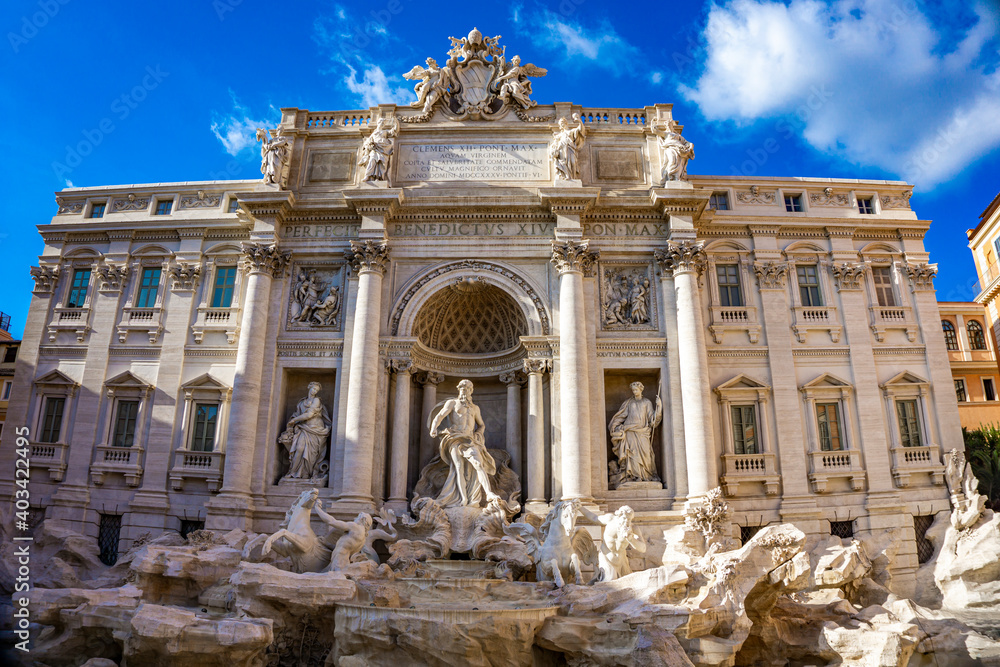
632	438
463	449
306	434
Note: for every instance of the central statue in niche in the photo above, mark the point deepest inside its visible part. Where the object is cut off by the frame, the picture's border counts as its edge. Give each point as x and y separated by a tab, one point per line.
463	449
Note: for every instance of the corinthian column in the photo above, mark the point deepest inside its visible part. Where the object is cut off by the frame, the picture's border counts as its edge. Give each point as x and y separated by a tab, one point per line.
400	435
686	261
368	259
514	380
232	507
572	260
429	380
535	469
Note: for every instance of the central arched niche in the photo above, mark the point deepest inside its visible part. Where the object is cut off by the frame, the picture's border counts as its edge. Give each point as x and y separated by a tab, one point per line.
471	317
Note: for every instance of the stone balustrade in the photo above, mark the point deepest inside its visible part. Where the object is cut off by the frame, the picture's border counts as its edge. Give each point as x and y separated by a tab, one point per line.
109	459
197	465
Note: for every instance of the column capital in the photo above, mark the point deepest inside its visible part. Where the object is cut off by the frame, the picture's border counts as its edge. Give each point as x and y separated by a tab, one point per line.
683	257
112	277
922	275
264	258
184	276
400	365
537	366
45	278
368	256
512	377
848	276
771	275
574	256
430	377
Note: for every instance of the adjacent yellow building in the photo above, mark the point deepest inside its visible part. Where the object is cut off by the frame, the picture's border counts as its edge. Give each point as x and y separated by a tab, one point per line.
972	352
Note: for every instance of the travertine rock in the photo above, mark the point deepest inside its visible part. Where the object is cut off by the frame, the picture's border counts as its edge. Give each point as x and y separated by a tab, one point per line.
178	575
967	570
261	590
599	641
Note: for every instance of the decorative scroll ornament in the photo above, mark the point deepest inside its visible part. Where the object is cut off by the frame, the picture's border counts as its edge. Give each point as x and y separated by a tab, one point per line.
922	275
274	153
112	277
902	201
512	377
574	256
45	277
848	276
755	196
69	207
828	198
537	365
684	257
675	151
261	258
131	203
376	150
771	275
202	200
401	365
367	256
184	276
482	85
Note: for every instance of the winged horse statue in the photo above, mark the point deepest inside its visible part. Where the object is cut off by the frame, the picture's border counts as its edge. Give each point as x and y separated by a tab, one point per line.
558	547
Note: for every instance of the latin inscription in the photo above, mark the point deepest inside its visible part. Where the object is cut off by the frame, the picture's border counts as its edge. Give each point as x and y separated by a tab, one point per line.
468	229
421	229
472	162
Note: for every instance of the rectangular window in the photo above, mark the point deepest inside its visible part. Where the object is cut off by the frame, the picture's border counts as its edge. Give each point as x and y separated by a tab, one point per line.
125	423
828	422
52	419
909	425
163	207
719	201
866	206
960	392
729	284
989	255
808	276
10	354
203	436
78	288
6	390
149	286
97	211
222	293
793	203
989	390
234	205
883	286
744	429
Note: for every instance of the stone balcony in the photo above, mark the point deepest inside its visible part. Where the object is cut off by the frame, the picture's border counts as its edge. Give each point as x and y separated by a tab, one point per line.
884	318
742	469
815	318
197	465
125	461
222	320
734	318
76	320
909	461
50	456
840	464
147	320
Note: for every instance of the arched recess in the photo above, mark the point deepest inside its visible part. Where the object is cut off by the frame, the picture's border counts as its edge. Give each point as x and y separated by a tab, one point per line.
425	285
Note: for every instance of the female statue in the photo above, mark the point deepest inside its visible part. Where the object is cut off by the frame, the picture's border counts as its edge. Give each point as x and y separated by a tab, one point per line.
307	432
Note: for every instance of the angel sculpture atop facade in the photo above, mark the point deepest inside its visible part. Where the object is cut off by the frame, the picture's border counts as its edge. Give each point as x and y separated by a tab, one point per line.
434	83
515	88
675	151
565	148
377	149
273	156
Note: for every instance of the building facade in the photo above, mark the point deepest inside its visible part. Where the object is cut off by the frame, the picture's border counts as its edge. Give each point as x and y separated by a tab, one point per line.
972	352
788	325
8	360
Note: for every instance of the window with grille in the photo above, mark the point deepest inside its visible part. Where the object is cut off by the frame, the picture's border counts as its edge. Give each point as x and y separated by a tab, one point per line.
950	340
977	341
808	276
108	536
747	532
842	529
719	201
960	391
729	285
78	289
909	424
149	286
125	423
989	390
793	203
866	206
828	423
188	526
52	419
205	416
225	281
744	429
921	524
883	286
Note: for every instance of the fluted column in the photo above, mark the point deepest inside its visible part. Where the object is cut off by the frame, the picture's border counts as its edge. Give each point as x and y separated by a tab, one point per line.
429	380
535	468
686	261
572	259
400	447
262	263
368	259
514	380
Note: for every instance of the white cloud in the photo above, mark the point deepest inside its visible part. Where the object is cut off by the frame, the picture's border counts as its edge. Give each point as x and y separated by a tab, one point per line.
69	184
237	130
601	45
874	81
373	89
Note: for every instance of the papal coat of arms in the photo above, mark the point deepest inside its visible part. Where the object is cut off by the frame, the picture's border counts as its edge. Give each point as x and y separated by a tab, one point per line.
477	82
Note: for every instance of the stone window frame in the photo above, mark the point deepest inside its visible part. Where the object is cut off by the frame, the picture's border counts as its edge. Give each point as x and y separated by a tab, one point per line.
158	199
148	319
747	468
224	319
727	193
982	382
885	318
812	318
75	319
89	208
842	463
723	319
965	390
876	204
52	455
191	464
981	330
950	342
802	203
108	458
907	461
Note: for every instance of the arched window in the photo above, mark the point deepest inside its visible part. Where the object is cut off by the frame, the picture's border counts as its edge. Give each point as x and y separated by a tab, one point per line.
976	339
949	335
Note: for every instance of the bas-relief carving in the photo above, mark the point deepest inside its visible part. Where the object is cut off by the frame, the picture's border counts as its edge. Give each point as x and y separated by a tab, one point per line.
316	298
305	437
70	207
376	150
274	153
130	203
901	201
201	200
627	297
675	151
828	198
631	431
756	196
564	151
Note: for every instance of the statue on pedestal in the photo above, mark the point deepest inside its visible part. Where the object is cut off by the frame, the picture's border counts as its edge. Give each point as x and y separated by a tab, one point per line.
675	151
463	449
376	150
632	439
565	148
273	156
305	436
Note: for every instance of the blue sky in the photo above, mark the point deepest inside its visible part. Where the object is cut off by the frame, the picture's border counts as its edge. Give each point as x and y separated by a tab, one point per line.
154	92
